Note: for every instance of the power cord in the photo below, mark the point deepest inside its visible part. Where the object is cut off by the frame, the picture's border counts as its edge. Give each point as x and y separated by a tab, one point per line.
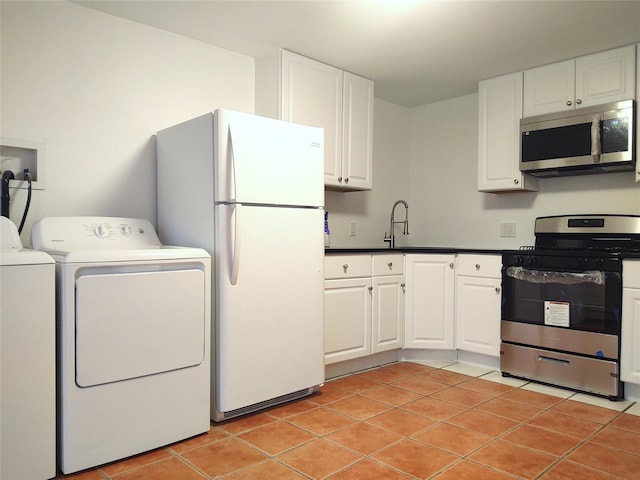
27	176
5	199
6	176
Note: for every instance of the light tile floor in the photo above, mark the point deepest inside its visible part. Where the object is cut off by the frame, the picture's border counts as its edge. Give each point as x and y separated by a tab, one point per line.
409	421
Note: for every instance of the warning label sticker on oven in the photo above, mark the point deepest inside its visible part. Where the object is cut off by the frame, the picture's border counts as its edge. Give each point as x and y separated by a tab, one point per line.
556	313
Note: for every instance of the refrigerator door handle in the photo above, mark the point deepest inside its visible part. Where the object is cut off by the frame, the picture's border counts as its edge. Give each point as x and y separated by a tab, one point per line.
235	264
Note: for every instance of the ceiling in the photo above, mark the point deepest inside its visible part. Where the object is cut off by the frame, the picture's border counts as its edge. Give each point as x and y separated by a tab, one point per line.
417	51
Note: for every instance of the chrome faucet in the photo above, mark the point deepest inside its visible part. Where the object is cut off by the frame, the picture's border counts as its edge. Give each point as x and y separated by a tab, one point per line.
392	236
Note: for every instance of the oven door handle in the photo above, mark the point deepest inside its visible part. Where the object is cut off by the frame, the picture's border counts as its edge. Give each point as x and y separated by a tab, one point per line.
596	277
557	361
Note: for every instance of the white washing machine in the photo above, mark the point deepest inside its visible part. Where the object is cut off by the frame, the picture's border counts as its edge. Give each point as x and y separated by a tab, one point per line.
133	339
27	360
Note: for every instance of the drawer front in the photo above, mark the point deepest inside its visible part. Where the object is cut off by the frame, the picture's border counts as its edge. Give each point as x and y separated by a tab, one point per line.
488	266
347	266
392	264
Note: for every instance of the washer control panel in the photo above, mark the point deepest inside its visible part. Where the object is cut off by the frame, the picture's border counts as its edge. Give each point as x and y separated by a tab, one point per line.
93	233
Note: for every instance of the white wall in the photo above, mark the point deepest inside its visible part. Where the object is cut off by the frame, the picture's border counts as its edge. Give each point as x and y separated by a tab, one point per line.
95	89
449	211
371	209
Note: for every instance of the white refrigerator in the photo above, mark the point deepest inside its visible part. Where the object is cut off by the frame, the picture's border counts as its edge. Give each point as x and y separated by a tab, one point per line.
250	191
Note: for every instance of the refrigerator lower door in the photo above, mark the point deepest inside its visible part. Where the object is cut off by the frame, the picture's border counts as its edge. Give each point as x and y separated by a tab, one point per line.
269	313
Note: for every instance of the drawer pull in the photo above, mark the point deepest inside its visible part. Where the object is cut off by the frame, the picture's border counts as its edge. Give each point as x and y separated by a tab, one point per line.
345	267
390	264
564	363
477	266
497	289
370	287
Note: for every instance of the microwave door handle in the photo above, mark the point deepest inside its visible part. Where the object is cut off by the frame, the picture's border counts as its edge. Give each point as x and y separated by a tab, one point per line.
596	143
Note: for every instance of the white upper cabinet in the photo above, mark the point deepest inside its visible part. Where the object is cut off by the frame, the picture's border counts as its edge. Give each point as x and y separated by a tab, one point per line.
357	140
301	90
500	111
590	80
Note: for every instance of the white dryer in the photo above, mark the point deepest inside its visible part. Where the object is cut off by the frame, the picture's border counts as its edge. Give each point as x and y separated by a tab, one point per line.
133	338
27	360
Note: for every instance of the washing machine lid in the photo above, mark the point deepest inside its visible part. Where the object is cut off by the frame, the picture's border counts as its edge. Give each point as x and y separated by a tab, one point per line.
11	251
104	239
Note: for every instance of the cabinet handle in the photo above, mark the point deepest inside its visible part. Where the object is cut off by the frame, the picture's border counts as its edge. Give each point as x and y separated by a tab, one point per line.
403	284
370	287
346	180
390	264
516	181
477	266
451	265
345	267
568	103
578	101
339	179
497	289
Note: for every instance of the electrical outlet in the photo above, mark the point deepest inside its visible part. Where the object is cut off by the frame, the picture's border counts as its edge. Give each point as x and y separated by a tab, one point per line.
352	229
508	229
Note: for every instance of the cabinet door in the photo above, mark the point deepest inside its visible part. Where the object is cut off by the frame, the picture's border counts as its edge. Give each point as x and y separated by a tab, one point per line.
605	77
500	111
388	313
312	95
347	319
550	88
357	145
478	315
430	283
630	336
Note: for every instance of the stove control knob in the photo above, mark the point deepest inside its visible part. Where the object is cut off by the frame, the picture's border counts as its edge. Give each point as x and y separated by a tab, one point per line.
519	259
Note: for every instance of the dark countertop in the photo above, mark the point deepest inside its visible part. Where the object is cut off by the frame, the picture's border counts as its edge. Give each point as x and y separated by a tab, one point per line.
343	250
436	250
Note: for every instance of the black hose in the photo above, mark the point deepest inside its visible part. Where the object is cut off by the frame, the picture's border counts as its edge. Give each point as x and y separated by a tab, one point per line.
27	176
6	176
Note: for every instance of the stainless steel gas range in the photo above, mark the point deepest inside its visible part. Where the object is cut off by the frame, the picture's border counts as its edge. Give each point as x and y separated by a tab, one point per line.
562	303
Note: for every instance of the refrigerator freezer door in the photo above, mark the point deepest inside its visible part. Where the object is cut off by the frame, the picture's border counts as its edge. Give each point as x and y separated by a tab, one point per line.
270	322
265	161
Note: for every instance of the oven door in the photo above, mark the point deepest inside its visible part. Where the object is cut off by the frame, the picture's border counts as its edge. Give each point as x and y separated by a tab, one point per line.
562	302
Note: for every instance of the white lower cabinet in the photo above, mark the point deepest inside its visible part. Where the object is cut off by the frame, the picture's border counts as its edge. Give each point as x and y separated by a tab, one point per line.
364	305
388	302
347	319
429	308
630	335
478	298
380	302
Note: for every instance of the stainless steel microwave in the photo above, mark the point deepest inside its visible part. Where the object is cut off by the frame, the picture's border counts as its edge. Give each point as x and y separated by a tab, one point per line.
596	139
